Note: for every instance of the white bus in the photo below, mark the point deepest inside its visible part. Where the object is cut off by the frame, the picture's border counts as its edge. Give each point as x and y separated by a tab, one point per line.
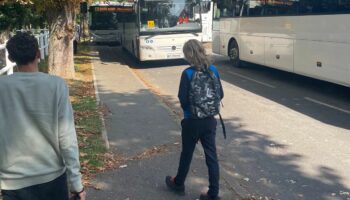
307	37
104	21
207	20
158	29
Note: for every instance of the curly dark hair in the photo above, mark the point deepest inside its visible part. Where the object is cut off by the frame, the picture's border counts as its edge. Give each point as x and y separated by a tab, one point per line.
22	48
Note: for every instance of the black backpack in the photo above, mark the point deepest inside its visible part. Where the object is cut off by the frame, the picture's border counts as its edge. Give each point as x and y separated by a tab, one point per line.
204	94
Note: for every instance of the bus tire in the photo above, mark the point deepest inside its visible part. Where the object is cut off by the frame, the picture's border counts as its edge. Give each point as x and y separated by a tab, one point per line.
233	53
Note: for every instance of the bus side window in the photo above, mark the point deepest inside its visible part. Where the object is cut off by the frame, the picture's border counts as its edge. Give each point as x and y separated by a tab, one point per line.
281	8
216	12
229	8
344	6
226	8
308	7
254	8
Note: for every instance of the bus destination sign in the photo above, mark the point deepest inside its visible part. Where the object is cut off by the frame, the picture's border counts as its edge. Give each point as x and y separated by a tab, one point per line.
112	9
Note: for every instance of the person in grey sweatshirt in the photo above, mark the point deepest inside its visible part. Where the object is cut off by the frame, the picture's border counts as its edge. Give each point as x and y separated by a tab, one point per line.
39	156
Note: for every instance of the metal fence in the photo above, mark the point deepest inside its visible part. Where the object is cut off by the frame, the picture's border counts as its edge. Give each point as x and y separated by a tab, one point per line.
6	66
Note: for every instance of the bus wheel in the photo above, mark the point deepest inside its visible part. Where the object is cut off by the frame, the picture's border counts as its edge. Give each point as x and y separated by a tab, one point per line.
233	53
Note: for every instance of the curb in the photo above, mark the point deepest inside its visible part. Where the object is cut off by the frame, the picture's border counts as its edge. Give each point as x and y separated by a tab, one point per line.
98	104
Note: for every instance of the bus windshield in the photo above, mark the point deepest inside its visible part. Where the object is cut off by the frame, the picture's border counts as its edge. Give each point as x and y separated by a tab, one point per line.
169	16
103	20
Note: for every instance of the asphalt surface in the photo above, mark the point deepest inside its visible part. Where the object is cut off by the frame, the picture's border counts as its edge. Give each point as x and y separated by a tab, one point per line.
288	135
139	122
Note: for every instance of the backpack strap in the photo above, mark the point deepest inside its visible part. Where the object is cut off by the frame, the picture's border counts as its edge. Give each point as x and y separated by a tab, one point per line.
216	73
189	73
214	70
223	126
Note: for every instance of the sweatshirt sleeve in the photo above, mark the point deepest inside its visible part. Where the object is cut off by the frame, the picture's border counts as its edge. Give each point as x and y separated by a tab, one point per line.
183	91
68	141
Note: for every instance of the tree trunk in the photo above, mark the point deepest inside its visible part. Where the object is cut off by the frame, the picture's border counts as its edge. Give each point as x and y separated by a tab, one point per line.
86	27
86	32
4	36
61	25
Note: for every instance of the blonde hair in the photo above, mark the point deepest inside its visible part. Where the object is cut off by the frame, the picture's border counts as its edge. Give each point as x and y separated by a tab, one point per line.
195	54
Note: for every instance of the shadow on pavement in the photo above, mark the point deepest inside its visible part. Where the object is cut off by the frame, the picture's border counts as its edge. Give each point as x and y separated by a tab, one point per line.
260	166
135	122
252	163
300	93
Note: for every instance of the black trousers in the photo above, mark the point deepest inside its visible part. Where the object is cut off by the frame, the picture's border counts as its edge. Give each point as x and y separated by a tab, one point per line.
203	130
53	190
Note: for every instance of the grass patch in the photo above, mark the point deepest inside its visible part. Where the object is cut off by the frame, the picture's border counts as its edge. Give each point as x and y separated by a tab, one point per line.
90	154
87	116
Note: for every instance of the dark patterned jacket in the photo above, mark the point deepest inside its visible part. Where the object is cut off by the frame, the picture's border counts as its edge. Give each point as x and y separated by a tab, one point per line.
185	86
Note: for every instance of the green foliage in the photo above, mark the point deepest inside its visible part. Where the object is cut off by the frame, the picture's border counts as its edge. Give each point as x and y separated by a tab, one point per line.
90	121
56	5
18	16
43	65
89	125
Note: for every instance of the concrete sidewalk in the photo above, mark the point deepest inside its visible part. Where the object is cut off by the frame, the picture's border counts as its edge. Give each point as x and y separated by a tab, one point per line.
137	122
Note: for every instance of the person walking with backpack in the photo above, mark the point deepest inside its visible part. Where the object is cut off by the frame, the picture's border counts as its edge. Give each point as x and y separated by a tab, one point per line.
38	143
200	94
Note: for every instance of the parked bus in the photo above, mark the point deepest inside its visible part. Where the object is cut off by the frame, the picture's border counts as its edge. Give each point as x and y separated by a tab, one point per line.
207	20
158	29
104	19
307	37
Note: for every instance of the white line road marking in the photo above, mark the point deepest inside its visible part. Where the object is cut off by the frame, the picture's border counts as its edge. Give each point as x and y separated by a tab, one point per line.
245	77
327	105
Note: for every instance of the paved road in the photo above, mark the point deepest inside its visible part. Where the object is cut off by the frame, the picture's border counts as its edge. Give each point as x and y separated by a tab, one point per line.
288	135
142	129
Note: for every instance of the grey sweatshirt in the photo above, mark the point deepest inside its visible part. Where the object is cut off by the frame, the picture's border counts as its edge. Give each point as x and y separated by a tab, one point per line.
38	141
